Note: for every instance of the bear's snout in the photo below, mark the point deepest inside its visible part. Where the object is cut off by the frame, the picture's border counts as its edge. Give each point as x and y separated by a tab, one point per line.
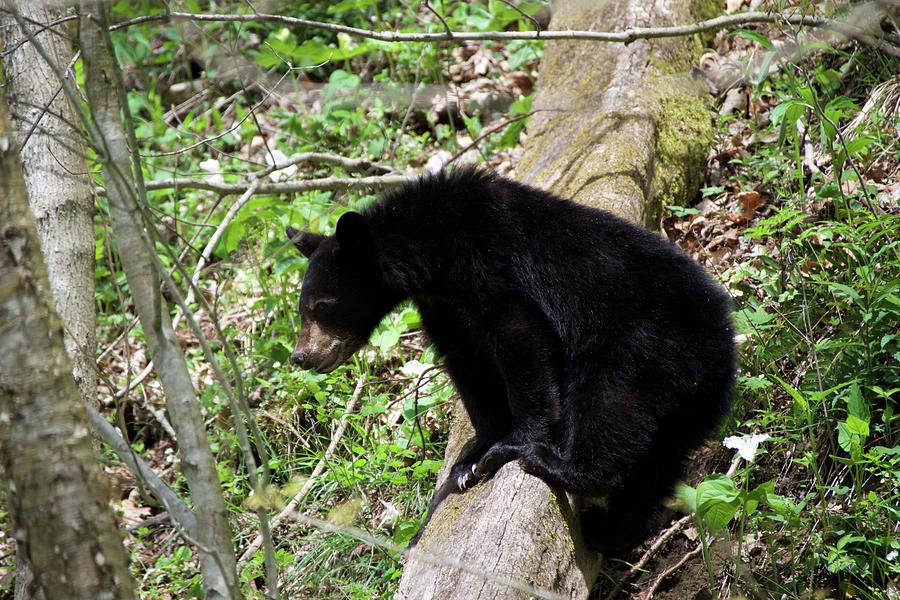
321	350
299	359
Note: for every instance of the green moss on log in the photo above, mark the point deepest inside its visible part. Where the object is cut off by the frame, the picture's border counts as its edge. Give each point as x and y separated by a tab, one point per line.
684	134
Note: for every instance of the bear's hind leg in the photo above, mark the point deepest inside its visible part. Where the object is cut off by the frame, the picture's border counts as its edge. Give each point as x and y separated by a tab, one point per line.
632	514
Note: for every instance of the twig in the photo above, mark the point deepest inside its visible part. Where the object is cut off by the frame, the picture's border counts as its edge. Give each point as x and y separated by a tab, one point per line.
280	187
46	108
177	509
671	570
534	22
667	535
13	46
206	141
412	103
447	31
623	37
474	143
650	553
350	164
291	506
214	241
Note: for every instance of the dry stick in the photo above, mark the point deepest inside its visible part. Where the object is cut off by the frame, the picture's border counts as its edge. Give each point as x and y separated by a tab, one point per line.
15	45
149	367
624	37
206	141
239	407
282	187
175	506
291	506
650	553
350	164
412	103
474	143
214	241
671	570
46	108
529	591
665	537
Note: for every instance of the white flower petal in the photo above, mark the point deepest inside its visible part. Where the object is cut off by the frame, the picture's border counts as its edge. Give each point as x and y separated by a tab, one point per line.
746	445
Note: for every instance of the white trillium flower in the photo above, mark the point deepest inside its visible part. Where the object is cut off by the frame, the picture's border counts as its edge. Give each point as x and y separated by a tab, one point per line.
746	445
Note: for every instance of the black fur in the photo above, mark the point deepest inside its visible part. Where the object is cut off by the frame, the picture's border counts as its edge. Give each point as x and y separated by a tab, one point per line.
590	350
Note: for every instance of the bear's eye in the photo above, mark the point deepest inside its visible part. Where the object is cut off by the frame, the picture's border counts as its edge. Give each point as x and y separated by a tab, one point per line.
321	305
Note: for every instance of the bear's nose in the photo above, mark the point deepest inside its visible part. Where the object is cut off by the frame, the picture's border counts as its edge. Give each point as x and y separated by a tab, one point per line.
298	358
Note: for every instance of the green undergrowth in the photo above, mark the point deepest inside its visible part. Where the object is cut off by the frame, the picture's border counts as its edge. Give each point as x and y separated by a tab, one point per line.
813	507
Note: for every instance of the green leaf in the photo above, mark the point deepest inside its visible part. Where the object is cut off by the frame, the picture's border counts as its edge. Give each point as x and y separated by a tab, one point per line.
754	36
715	489
719	514
522	106
798	397
687	497
858	145
347	5
386	339
847	440
856	404
764	67
233	236
858	426
786	115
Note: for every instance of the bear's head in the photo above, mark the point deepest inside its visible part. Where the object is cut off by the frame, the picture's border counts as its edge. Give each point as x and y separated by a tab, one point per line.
342	298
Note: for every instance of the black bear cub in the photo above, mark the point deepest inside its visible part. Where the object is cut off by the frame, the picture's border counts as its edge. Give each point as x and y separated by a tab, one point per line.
589	350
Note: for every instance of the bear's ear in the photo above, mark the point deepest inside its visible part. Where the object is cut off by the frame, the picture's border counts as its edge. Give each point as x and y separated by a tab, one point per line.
304	241
353	234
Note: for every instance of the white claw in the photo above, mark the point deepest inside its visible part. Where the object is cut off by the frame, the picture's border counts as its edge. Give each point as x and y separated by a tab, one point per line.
461	482
473	471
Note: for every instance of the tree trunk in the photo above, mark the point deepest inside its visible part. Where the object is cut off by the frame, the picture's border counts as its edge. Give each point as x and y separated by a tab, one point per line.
626	130
59	194
59	188
58	505
124	187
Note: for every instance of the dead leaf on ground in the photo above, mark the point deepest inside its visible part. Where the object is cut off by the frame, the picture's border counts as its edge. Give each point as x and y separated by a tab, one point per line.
750	201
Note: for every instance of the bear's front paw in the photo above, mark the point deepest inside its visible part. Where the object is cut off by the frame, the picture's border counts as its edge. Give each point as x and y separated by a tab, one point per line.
463	473
497	455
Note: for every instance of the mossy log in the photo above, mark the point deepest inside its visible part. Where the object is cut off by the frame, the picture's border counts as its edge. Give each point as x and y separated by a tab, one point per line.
622	128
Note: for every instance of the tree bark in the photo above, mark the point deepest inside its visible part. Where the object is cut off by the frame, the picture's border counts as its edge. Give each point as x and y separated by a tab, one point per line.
124	188
60	516
625	129
59	189
59	194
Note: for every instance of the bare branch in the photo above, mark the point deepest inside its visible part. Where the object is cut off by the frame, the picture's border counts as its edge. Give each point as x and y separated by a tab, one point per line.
665	574
623	37
376	182
177	509
317	471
